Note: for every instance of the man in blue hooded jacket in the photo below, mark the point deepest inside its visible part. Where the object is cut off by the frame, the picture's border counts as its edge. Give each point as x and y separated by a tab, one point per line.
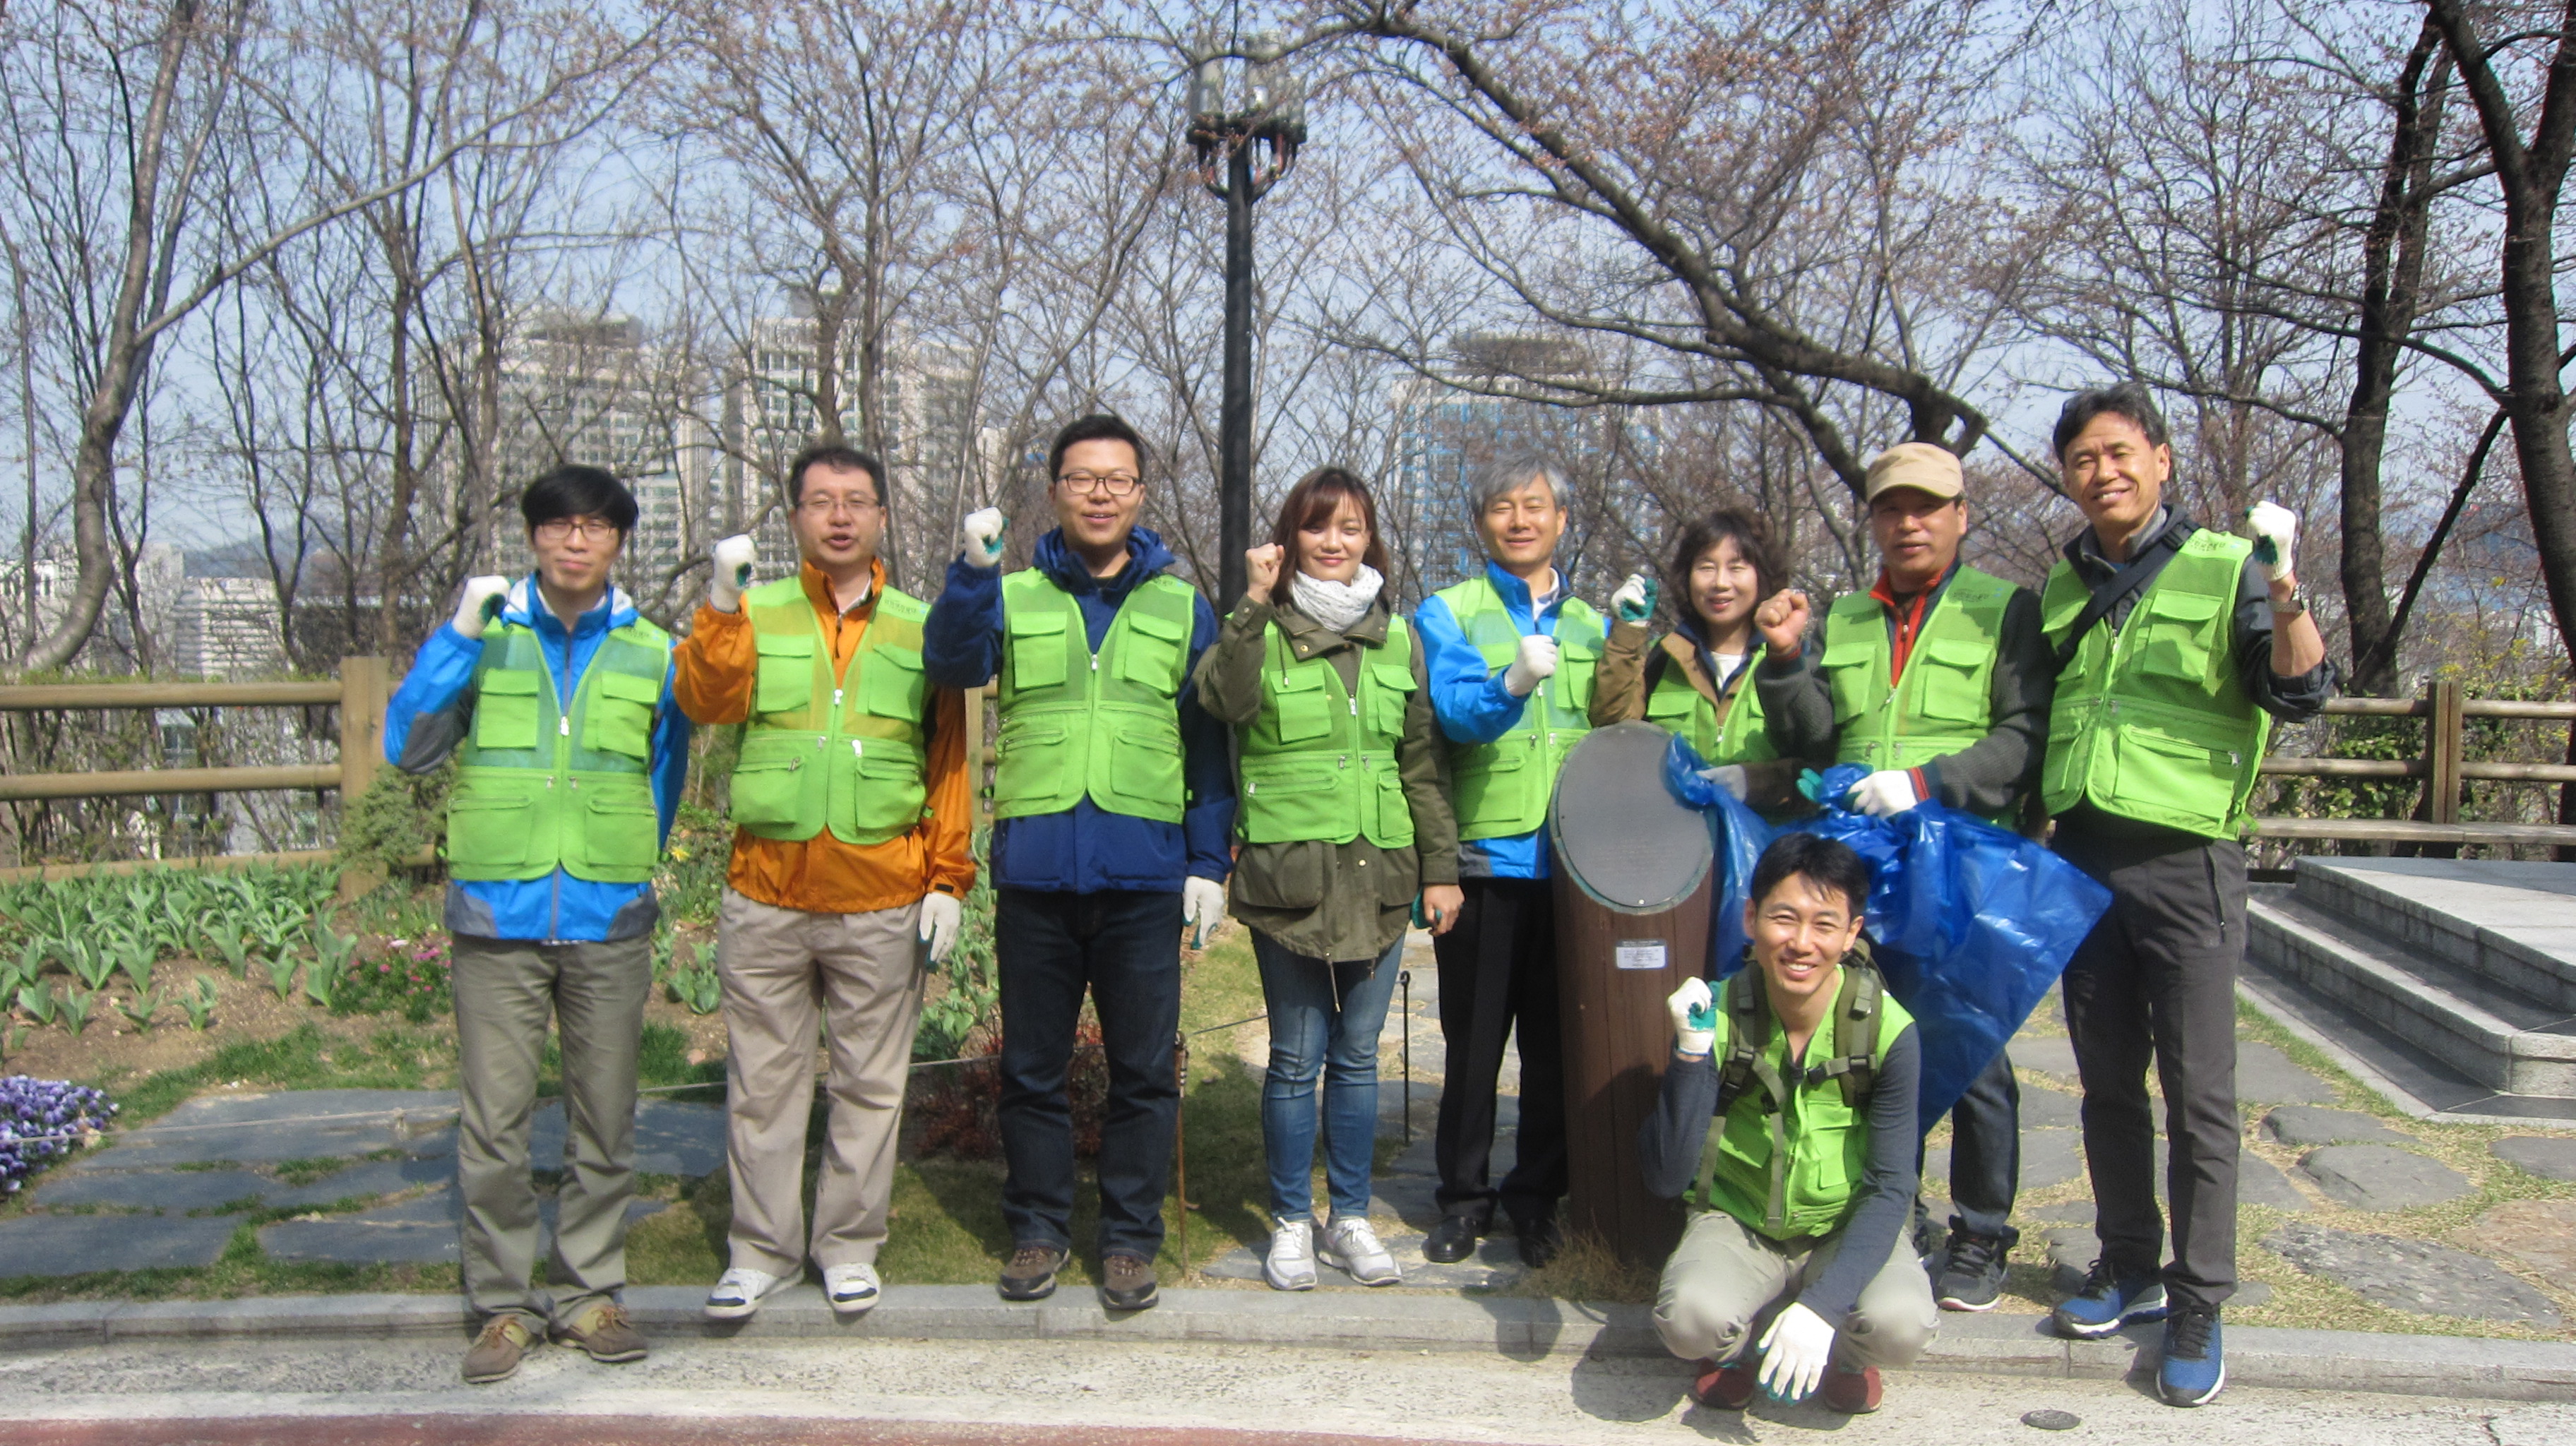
1112	803
556	697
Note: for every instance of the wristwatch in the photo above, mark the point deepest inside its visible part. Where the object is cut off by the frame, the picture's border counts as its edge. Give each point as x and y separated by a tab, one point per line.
2296	606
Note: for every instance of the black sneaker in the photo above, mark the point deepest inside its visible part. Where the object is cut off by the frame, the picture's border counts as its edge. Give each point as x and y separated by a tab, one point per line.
1030	1275
1974	1277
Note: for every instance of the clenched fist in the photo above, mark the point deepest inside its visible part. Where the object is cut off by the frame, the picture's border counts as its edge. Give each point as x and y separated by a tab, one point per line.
980	537
480	604
731	575
1261	569
1536	663
1782	619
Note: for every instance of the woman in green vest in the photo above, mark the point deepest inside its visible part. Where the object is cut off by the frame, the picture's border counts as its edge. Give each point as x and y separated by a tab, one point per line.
1342	824
1694	679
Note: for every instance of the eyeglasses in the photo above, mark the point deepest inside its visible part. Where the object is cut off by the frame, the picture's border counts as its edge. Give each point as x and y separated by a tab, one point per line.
592	529
826	506
1116	484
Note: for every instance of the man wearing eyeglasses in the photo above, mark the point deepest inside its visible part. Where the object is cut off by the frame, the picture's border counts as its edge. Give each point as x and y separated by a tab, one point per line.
1112	804
850	866
555	696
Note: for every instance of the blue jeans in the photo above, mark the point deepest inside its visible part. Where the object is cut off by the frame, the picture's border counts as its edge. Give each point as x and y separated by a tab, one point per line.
1125	948
1323	1019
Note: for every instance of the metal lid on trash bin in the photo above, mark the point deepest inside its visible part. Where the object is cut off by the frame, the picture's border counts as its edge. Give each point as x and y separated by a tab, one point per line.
1618	831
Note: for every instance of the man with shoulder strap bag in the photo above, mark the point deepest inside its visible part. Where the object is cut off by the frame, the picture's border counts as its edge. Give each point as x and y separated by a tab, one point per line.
1939	679
1786	1122
554	695
2181	645
851	806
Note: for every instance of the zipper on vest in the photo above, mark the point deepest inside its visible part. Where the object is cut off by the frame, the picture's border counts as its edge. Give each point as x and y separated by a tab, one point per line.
836	701
855	749
563	725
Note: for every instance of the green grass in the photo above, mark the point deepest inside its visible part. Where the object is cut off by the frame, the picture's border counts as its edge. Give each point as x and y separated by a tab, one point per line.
304	1059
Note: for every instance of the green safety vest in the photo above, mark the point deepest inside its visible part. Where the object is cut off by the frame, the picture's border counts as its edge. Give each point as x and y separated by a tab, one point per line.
2151	722
1319	763
1503	786
1077	724
822	751
1678	707
1787	1158
1945	700
539	788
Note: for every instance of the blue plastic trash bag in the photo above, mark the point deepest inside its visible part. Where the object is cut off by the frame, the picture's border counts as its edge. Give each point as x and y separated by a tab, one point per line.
1969	923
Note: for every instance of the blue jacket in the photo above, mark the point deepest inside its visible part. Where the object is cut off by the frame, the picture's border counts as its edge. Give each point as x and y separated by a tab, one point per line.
1086	849
428	717
1473	706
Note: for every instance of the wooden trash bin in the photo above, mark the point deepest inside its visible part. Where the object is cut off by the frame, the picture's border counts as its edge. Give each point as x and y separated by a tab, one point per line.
1633	883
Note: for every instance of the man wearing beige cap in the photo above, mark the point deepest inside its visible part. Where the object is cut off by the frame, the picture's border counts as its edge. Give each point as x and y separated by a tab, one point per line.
1939	678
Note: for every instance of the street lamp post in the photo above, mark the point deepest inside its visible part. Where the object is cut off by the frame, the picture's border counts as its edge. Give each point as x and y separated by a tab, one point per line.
1264	110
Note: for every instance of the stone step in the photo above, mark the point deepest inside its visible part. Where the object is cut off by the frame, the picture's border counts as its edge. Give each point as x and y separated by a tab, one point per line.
2509	922
2493	1035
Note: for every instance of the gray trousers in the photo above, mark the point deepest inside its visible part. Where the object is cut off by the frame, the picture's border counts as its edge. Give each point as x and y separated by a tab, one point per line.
1725	1281
506	991
2155	983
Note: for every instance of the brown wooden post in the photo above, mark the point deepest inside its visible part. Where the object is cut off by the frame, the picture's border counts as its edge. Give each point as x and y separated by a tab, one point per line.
2442	747
365	687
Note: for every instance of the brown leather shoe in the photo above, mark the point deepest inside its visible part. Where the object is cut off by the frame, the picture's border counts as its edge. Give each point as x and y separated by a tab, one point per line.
1127	1282
606	1333
1030	1275
1854	1393
1727	1387
495	1354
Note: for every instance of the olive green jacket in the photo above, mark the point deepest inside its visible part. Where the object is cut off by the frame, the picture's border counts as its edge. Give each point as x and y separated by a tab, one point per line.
1324	900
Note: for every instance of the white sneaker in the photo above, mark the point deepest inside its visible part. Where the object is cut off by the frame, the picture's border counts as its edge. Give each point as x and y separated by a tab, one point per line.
1291	1265
738	1292
1352	1247
850	1288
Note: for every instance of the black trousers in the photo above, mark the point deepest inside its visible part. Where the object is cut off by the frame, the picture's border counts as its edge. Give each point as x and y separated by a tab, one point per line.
2155	983
1497	966
1985	1154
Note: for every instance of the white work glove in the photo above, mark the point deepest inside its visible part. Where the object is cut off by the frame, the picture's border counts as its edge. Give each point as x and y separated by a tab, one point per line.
942	915
480	604
1794	1351
1537	661
732	573
1883	794
1202	905
1693	1036
1634	602
980	537
1729	776
2276	538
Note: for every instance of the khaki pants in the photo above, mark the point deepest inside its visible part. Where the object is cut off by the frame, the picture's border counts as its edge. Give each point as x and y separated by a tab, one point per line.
1726	1279
788	973
506	989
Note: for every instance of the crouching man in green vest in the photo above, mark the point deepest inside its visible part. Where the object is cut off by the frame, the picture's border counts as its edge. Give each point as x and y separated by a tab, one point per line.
2176	647
1938	678
1786	1121
555	697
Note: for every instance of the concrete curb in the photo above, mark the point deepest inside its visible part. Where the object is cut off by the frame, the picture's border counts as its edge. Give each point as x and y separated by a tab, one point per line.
1519	1328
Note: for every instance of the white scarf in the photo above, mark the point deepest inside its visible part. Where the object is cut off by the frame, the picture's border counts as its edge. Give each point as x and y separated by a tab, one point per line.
1336	605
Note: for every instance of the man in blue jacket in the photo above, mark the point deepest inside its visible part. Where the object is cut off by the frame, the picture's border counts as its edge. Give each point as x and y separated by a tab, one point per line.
1510	656
556	697
1112	803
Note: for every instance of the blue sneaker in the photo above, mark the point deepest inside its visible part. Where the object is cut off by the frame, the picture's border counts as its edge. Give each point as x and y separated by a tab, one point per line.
2194	1369
2108	1301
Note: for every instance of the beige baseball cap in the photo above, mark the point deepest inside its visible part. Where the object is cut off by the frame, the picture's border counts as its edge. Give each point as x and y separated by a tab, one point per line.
1923	466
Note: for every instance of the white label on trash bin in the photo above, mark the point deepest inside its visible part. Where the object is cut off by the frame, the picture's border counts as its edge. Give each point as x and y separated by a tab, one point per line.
1641	953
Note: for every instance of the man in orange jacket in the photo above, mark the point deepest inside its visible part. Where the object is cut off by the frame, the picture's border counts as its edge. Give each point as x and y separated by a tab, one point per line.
851	862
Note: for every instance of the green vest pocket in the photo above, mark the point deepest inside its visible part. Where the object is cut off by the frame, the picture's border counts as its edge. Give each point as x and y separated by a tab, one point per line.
1303	707
1488	786
1571	689
2176	773
505	708
891	683
1038	648
1394	687
1151	652
1394	830
622	836
492	830
1030	761
769	782
1145	765
1951	686
2178	635
785	682
1845	664
620	716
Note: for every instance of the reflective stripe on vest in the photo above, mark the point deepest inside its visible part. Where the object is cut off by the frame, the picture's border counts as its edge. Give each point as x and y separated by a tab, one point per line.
539	788
1677	707
1502	787
1319	763
1075	724
1827	1138
844	753
1944	702
2152	722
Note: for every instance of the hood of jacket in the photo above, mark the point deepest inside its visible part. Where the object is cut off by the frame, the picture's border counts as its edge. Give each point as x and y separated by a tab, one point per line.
1146	557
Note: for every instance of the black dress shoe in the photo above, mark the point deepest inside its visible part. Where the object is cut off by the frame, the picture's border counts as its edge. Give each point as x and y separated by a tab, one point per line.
1540	1241
1450	1241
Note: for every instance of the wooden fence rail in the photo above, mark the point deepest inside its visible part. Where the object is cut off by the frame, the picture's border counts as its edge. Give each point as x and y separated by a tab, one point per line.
2437	814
